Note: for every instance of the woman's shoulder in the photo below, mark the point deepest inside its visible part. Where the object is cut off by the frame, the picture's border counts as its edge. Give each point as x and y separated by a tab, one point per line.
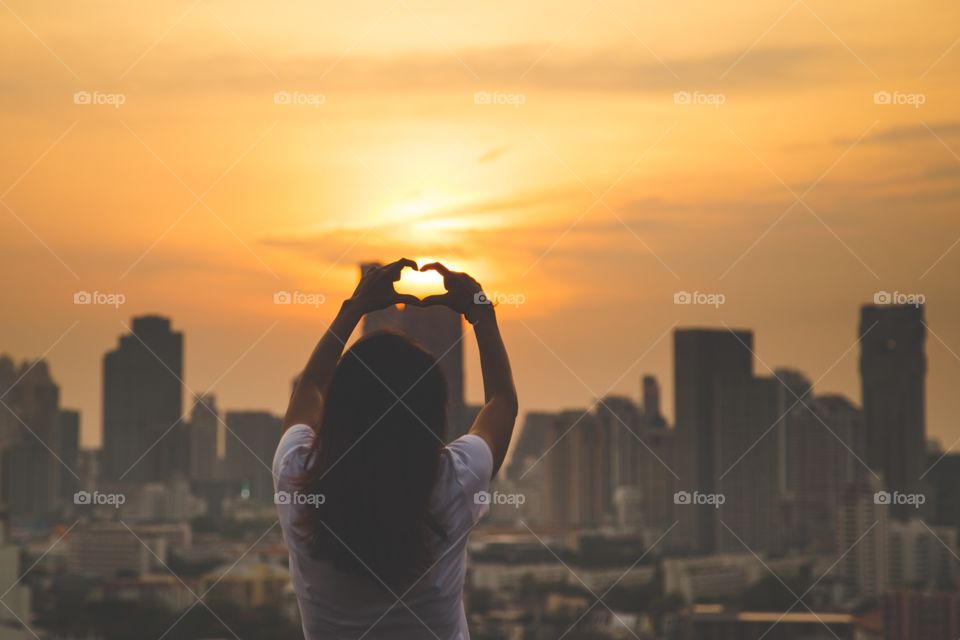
292	452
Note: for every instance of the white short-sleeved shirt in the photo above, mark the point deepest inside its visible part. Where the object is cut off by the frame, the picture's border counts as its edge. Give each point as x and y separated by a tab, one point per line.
336	605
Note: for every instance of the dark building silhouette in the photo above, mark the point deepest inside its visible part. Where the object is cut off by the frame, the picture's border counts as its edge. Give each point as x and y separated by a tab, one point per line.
943	482
892	370
203	427
440	331
577	491
702	359
143	404
252	437
69	452
30	440
650	394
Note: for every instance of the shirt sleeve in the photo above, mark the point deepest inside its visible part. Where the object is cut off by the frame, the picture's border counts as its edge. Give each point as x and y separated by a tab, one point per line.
473	467
290	460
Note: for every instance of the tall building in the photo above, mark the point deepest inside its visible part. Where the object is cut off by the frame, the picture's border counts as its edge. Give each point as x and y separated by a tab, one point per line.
702	358
943	482
30	439
69	430
650	394
619	417
892	370
862	539
144	438
440	331
203	427
656	477
824	440
577	480
252	438
530	443
920	555
748	436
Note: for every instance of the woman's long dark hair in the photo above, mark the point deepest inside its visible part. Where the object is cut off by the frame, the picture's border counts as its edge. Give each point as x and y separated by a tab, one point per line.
375	461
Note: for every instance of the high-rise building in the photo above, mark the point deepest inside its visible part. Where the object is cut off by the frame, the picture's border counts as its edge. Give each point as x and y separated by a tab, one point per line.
30	439
144	438
69	453
892	371
943	482
650	394
531	442
824	440
203	427
862	539
702	358
748	436
252	438
656	477
440	331
577	482
619	417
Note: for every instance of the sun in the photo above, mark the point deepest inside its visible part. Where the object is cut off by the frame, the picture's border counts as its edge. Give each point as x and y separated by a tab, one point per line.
422	283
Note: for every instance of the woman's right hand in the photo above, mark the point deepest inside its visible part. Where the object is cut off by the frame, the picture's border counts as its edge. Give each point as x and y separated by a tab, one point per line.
464	294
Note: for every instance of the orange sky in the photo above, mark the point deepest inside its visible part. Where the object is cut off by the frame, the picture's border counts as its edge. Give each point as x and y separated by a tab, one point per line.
583	186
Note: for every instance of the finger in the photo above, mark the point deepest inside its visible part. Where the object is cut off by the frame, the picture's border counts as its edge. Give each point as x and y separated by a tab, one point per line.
436	266
406	298
394	268
441	299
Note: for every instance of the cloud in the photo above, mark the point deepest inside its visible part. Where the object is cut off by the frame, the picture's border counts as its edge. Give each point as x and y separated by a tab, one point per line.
907	133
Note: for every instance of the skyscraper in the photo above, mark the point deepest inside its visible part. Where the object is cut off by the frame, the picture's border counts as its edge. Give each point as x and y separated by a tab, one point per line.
440	331
650	394
748	436
702	359
203	427
144	438
69	430
892	371
252	438
862	539
30	439
577	482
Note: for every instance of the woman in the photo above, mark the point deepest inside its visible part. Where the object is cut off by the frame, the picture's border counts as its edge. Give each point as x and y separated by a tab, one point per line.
374	507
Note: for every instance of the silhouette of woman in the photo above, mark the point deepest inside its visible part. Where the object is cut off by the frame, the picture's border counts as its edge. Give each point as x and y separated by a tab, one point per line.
374	507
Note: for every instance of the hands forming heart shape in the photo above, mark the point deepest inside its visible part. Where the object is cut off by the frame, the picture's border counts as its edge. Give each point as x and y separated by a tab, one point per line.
376	288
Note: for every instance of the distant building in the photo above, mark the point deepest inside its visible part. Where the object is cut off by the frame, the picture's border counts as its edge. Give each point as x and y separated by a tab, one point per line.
914	614
943	483
711	577
30	440
530	443
862	539
650	395
109	549
748	436
893	369
920	555
440	331
702	358
144	437
69	447
716	623
619	418
824	440
249	584
203	427
577	480
252	438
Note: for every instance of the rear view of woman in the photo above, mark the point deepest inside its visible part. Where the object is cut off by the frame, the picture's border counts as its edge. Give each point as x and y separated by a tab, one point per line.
374	506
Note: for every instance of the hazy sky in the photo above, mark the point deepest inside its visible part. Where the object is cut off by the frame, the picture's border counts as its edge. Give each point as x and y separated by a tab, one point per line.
543	146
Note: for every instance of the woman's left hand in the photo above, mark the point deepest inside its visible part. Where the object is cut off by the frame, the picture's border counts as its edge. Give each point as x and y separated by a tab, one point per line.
375	290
